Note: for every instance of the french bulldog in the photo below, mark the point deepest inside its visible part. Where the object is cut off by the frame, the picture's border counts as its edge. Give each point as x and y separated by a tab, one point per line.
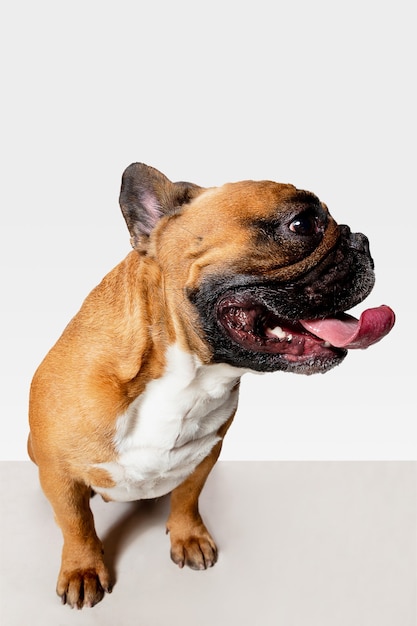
134	399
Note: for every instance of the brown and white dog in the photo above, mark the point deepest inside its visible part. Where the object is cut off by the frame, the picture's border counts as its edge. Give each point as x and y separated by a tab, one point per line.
134	399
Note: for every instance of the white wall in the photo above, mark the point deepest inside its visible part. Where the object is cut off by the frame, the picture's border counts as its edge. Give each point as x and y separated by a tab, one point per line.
319	94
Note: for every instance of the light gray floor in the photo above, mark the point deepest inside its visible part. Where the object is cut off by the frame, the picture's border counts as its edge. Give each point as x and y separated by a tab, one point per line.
301	544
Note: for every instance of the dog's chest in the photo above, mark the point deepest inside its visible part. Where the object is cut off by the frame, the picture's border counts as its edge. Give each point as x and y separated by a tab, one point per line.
170	428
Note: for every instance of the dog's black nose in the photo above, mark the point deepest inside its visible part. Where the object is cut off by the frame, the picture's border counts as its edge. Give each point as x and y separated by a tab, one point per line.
359	242
356	241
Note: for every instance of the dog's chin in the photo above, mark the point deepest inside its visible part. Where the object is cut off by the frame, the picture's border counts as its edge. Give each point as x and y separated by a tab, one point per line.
253	337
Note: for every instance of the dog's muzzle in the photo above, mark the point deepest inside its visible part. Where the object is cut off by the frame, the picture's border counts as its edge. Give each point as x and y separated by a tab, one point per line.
298	325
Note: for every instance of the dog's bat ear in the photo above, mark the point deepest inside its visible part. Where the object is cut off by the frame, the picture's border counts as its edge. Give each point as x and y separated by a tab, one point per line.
147	195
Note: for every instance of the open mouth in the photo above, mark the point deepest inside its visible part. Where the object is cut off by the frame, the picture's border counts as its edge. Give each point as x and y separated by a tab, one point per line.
256	328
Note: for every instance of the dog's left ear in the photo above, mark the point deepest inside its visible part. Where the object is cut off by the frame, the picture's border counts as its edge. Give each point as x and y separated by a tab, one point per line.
147	195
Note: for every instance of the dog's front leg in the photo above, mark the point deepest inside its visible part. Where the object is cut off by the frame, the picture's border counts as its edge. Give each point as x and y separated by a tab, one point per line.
83	578
191	543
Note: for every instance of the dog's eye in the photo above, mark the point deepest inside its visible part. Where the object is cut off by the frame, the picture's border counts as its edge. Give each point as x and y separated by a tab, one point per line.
304	224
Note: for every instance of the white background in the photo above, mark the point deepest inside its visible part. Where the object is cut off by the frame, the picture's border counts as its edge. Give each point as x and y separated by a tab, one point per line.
319	94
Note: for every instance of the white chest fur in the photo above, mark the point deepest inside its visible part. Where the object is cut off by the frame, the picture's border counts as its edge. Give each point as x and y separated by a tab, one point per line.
171	427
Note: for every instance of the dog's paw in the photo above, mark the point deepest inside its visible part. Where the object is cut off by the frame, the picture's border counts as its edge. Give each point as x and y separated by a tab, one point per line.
83	587
196	549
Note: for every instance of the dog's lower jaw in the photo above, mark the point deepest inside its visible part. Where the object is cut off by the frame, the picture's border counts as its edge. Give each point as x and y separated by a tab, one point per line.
263	361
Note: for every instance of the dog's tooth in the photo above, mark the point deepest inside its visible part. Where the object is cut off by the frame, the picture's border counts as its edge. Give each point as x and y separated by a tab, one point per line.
278	332
289	338
326	344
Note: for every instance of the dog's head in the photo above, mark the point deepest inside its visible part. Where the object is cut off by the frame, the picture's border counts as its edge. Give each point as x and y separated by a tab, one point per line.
258	271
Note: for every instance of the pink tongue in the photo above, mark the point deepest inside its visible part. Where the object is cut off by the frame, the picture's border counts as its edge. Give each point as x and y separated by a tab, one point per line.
348	332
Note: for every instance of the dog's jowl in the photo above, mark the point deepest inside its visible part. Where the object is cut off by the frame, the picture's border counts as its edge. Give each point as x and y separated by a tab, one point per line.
134	399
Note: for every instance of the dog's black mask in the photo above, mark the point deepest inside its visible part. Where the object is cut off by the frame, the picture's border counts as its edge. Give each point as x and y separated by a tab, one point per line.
257	323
